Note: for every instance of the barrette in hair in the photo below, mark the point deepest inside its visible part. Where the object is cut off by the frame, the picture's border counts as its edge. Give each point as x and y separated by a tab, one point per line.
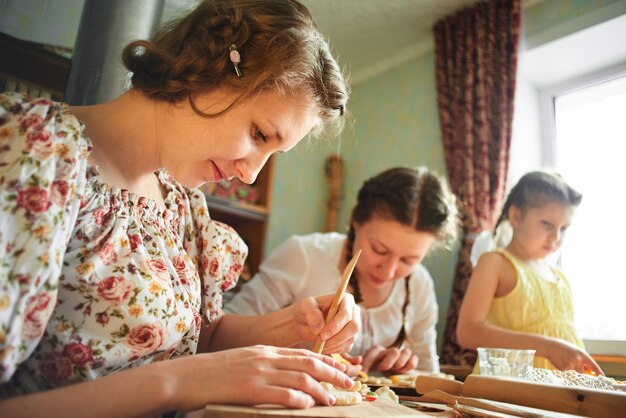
235	58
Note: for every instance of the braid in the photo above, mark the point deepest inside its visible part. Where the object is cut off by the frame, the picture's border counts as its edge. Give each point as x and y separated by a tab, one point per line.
354	283
357	293
402	334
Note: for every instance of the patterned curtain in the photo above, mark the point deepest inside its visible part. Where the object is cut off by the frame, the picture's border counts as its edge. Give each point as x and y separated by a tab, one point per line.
476	60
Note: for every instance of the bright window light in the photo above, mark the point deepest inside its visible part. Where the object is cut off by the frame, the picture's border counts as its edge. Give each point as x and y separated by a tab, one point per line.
591	154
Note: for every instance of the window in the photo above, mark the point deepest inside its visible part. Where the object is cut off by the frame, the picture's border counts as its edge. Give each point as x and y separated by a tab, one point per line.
590	151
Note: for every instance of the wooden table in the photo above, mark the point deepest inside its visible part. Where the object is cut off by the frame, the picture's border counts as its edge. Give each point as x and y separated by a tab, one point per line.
375	409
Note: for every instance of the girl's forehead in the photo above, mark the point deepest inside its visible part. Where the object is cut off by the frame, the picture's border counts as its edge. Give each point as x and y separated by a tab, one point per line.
395	235
553	208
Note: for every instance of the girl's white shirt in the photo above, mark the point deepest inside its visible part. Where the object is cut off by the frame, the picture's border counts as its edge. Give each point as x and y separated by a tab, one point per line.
306	265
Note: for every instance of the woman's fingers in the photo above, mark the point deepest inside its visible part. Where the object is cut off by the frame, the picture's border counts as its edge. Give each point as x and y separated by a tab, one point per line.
343	341
291	377
371	357
339	333
406	362
259	374
347	317
299	382
321	368
403	361
313	316
388	359
280	395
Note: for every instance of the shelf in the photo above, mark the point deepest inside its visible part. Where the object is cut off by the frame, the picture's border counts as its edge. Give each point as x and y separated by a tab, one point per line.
241	210
249	220
32	63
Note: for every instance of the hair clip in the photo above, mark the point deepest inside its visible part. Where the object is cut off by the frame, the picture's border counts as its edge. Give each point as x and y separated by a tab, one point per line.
235	58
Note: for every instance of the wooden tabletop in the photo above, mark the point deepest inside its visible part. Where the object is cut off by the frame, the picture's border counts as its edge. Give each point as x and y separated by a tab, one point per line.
375	409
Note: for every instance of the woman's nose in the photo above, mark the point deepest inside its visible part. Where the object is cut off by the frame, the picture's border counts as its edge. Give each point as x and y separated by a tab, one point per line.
250	168
388	268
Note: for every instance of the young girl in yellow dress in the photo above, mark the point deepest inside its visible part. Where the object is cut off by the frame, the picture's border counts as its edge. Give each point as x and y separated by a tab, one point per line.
516	298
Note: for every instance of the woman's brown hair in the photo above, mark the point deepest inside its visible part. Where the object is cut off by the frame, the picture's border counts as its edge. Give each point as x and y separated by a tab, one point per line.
416	197
279	45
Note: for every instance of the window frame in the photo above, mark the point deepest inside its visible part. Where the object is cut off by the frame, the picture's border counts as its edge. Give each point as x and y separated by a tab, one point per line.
547	98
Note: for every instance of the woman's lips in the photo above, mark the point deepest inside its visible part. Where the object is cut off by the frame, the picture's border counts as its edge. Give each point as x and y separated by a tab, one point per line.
377	280
217	174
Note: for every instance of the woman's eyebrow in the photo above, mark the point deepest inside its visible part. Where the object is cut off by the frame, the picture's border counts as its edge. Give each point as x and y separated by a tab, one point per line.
275	129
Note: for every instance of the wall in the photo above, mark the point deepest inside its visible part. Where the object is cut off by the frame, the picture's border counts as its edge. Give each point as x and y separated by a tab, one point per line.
396	123
554	18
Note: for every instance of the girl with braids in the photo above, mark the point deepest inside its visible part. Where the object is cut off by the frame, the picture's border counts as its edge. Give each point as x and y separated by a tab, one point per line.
516	298
400	214
110	263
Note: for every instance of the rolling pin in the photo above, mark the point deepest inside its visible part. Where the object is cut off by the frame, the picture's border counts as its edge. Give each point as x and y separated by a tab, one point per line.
567	399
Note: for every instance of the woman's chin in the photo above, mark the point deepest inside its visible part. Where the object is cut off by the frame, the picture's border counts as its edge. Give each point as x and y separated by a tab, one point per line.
191	182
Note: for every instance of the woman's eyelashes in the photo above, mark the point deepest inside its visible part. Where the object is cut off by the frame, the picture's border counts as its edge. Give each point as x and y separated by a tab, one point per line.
410	261
379	251
258	134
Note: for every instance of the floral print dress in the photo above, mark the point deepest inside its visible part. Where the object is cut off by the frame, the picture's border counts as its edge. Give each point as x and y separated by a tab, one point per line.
94	279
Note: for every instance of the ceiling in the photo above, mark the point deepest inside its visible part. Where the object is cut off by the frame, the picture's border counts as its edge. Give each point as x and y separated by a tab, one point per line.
555	62
369	37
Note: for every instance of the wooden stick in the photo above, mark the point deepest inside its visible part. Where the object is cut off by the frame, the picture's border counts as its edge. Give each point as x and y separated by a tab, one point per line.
343	284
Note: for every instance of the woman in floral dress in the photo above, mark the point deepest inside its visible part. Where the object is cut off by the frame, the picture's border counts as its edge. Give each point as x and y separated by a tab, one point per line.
109	261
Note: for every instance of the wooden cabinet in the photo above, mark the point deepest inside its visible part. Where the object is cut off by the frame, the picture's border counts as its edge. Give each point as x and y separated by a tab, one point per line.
29	67
249	220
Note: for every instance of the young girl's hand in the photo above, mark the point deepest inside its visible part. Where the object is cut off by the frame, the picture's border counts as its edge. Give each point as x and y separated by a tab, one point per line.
566	356
257	375
339	333
392	360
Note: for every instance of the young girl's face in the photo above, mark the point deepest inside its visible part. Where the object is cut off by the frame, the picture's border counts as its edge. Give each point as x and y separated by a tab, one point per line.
390	250
539	231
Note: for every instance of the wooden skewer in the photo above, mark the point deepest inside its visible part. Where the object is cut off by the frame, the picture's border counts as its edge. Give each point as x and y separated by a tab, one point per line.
343	284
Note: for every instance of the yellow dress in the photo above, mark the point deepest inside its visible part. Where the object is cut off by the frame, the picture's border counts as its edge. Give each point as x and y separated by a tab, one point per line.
536	306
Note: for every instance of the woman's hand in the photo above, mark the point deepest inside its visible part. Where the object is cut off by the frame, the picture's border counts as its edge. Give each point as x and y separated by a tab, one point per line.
566	356
391	360
257	375
340	333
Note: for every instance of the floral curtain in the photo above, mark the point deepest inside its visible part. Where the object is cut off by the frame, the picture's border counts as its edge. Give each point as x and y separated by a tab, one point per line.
476	62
